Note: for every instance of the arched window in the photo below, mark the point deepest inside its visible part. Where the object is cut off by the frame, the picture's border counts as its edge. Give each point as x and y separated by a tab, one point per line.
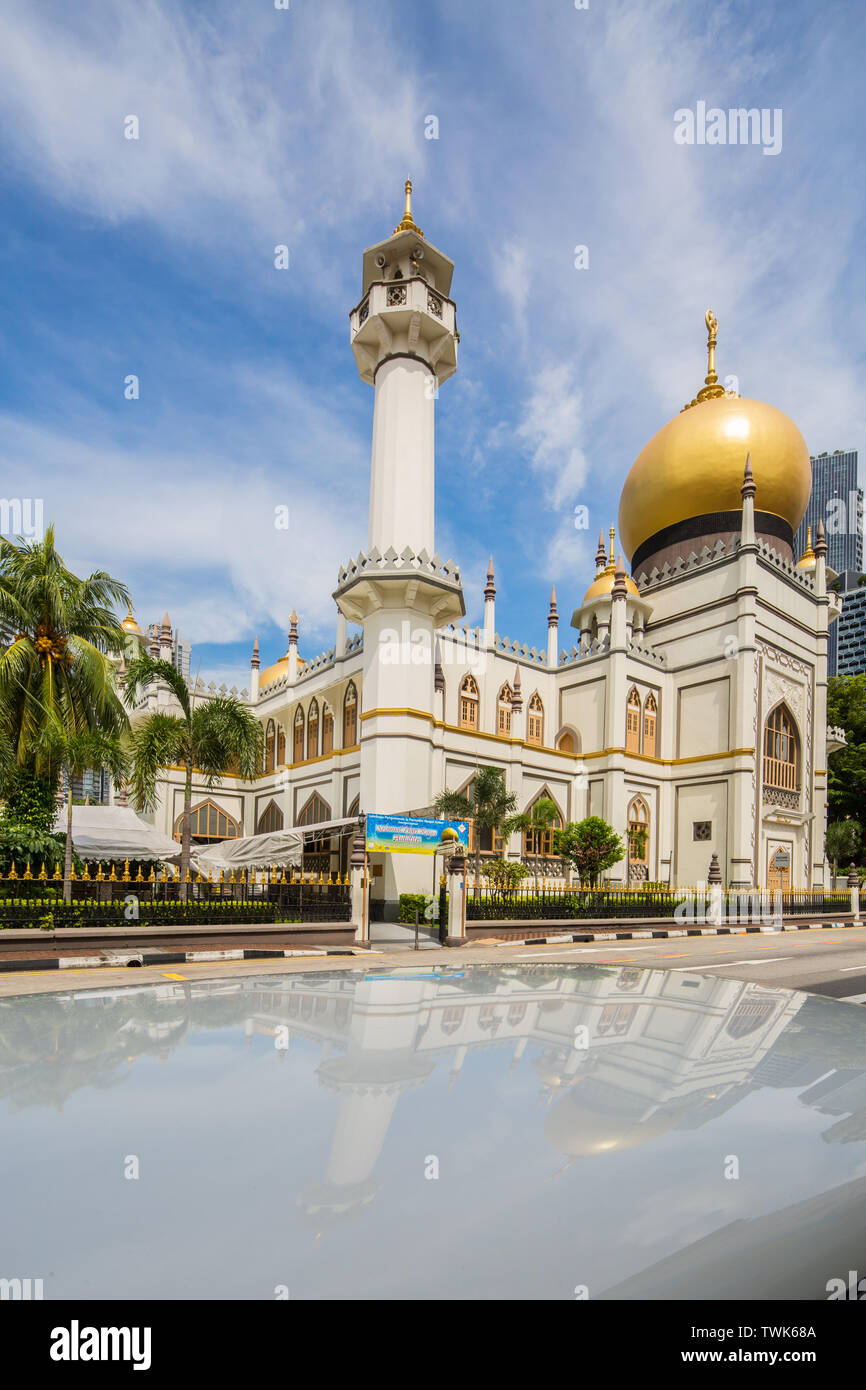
298	749
565	743
638	838
650	713
270	740
469	703
270	819
503	710
632	722
540	842
208	822
313	730
355	808
593	629
535	721
781	751
327	730
350	716
281	746
315	811
481	837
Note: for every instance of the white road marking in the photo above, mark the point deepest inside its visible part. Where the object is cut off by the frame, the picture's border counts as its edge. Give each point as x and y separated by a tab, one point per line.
725	964
854	998
847	969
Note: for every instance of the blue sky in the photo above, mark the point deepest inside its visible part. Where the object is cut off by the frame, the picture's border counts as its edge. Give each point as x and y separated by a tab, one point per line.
261	127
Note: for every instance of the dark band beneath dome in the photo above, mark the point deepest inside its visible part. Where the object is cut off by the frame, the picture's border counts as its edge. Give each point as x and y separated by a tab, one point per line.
693	534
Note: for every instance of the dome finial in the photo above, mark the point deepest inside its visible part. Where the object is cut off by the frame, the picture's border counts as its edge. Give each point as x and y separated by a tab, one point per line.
711	387
408	225
610	560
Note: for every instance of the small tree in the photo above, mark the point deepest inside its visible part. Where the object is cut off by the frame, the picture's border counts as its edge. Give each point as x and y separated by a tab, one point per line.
489	806
504	874
841	843
591	845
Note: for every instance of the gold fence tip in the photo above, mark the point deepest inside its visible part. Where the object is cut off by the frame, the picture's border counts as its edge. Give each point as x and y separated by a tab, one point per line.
125	875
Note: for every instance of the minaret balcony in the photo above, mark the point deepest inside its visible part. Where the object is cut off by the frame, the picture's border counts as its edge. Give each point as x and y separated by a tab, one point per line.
404	316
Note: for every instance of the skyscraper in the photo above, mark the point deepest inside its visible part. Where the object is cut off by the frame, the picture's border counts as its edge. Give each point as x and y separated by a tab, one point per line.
846	648
838	502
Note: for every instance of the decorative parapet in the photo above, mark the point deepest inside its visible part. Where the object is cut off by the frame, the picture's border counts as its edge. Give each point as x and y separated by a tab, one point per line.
375	565
646	653
780	562
504	644
720	551
707	556
211	689
599	647
779	796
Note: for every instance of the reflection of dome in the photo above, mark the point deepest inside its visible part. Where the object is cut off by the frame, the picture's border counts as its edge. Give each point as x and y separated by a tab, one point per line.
579	1126
693	468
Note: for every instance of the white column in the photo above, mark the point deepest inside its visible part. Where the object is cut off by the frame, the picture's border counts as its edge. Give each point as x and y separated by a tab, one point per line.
401	480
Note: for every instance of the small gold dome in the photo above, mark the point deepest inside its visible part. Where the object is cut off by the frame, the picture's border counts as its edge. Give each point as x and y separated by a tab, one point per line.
694	465
807	560
130	625
604	579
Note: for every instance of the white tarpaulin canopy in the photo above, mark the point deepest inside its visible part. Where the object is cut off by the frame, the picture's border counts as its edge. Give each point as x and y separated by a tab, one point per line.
115	832
280	847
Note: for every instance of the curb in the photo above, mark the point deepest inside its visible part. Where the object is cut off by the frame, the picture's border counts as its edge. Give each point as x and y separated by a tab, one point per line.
661	934
134	958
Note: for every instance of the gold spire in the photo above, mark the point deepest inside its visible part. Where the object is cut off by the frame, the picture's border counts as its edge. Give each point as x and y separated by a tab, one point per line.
610	559
807	559
408	225
711	387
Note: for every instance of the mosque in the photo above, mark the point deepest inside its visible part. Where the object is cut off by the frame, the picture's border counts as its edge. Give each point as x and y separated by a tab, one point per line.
689	701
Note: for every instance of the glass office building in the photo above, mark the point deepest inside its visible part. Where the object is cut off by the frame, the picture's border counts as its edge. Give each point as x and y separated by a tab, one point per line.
838	502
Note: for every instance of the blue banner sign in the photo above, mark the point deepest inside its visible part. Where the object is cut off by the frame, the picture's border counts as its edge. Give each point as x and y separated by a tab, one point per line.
413	835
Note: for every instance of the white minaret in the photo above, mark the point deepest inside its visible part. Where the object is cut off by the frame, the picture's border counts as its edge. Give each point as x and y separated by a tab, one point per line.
404	339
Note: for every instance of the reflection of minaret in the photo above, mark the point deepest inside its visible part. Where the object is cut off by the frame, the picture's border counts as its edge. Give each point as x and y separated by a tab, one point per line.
381	1062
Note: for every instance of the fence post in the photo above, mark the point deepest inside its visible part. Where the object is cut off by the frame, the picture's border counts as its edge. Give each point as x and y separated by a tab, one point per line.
456	900
358	871
854	890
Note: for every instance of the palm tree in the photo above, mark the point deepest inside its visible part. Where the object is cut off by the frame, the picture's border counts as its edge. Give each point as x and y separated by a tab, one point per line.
77	753
537	820
215	736
56	635
489	805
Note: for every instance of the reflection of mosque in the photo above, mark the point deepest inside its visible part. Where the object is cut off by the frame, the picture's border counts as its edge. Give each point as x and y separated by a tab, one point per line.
665	1051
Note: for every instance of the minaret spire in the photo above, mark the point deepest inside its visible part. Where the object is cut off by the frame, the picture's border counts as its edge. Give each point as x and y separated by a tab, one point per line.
408	224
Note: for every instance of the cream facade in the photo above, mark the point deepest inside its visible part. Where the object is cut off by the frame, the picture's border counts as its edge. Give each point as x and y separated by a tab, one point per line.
687	706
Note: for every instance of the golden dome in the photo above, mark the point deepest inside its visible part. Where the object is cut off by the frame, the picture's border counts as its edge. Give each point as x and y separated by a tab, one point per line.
279	668
604	579
130	625
580	1130
694	465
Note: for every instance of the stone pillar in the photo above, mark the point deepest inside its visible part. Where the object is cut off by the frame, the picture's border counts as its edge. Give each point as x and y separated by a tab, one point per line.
456	901
517	725
815	870
854	890
340	642
358	875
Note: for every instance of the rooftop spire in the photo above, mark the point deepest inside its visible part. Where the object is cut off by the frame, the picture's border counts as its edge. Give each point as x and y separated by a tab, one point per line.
552	616
293	629
748	488
711	387
408	225
255	661
490	587
610	559
600	556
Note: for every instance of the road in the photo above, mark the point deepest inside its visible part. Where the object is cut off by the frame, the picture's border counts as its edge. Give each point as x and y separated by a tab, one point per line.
821	961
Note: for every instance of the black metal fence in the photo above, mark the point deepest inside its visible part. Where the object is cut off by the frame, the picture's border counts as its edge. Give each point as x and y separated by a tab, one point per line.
107	897
565	904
